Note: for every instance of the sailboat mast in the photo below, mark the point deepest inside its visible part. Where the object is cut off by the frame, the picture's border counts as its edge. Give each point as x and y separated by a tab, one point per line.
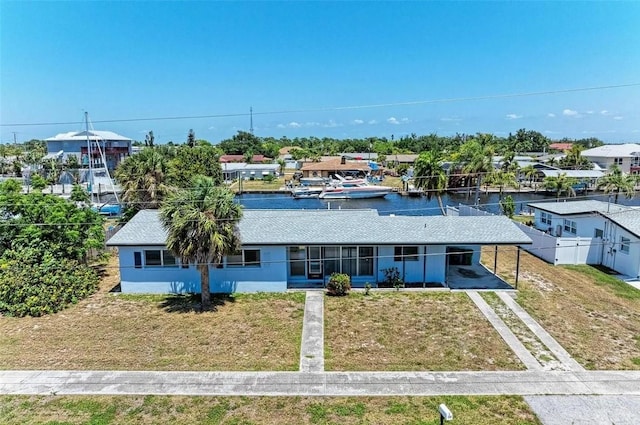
86	128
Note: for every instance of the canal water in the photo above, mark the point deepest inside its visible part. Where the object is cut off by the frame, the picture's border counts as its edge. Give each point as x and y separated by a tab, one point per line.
404	205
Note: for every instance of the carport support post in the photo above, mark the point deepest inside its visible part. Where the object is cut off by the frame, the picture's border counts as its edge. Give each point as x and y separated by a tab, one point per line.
495	259
517	266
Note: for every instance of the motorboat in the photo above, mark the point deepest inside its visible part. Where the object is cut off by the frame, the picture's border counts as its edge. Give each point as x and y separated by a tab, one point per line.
305	191
346	188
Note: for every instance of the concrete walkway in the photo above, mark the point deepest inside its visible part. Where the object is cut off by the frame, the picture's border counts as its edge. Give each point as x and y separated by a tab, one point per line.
312	349
319	384
512	341
558	351
586	410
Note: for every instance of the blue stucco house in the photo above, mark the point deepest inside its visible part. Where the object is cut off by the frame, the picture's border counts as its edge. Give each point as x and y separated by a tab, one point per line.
283	249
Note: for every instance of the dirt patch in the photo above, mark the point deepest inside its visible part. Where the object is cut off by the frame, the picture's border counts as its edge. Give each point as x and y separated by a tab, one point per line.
411	331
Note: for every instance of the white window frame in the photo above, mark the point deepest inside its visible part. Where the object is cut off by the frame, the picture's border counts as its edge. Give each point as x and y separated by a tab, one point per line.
625	244
570	226
242	254
545	218
163	253
405	255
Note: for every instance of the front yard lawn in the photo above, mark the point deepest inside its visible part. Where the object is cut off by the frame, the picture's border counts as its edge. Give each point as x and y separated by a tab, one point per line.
503	410
432	331
594	316
109	331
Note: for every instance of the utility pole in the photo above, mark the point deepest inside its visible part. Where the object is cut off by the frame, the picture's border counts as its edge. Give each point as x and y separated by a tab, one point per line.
14	137
251	119
86	125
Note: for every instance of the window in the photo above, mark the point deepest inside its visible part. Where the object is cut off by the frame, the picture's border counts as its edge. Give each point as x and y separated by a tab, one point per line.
137	260
157	258
405	253
625	244
365	261
570	226
545	218
617	161
244	258
297	256
153	258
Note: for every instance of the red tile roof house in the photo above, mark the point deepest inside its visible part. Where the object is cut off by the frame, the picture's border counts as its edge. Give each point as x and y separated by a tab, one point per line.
561	146
256	159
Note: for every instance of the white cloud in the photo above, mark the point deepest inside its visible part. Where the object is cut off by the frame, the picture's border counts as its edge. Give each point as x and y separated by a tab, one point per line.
393	120
331	124
294	124
212	128
551	132
605	112
372	122
551	115
513	116
404	120
447	119
358	122
618	118
570	113
311	124
590	112
281	126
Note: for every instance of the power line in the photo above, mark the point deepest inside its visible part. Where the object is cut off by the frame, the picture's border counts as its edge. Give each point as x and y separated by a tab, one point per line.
338	108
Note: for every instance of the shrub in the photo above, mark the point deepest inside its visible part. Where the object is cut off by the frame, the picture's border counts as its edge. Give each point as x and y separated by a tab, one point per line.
33	287
339	284
392	278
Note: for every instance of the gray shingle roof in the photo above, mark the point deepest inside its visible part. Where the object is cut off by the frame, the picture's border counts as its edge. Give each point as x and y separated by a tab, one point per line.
629	219
578	207
327	227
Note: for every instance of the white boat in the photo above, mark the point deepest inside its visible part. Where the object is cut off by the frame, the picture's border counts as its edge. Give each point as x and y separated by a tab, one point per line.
353	189
307	191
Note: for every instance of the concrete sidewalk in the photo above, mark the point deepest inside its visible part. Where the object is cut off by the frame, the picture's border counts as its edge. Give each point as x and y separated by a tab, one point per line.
320	384
558	351
512	341
312	346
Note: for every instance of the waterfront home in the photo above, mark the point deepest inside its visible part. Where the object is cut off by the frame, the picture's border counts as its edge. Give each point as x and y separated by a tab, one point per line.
333	166
244	171
626	156
114	147
587	232
283	249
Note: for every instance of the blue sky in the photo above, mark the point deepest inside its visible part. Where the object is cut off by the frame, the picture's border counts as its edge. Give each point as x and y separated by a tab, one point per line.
127	60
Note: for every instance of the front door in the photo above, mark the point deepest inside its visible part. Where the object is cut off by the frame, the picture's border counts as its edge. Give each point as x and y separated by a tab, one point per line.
314	262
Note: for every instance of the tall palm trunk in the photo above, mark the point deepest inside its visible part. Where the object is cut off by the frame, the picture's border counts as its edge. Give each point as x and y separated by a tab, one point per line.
204	286
440	204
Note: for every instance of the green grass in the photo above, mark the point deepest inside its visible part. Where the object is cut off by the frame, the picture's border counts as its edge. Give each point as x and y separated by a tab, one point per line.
619	288
111	410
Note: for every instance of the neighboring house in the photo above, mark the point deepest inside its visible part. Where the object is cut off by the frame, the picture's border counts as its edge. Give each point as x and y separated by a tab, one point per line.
284	249
587	179
401	158
335	166
626	156
255	159
241	170
114	147
561	146
587	232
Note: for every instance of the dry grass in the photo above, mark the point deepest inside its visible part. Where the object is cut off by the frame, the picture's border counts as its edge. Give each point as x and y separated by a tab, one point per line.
592	315
411	331
505	410
109	331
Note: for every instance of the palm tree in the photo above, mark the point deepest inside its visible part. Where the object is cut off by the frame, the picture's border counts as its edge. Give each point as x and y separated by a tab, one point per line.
479	164
501	179
142	178
560	184
202	227
616	181
431	177
529	173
